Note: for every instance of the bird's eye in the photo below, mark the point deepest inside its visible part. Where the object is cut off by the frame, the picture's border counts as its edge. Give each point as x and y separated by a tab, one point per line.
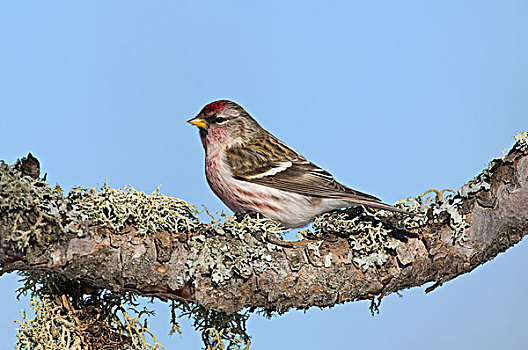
220	120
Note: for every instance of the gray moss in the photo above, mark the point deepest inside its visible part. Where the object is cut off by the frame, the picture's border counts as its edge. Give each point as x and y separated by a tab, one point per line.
24	204
56	325
114	209
232	248
119	208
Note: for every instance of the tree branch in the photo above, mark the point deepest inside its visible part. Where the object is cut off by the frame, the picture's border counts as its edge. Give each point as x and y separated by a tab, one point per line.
160	248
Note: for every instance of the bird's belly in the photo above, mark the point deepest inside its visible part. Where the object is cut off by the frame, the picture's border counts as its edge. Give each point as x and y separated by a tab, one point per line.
291	209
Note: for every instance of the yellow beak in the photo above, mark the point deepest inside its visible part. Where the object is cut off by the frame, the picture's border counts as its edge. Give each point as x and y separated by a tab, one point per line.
199	122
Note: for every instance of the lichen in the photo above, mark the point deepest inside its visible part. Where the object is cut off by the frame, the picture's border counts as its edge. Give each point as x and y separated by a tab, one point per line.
24	204
119	208
328	260
371	234
112	208
217	339
369	237
48	328
219	329
232	248
58	325
452	204
521	140
481	182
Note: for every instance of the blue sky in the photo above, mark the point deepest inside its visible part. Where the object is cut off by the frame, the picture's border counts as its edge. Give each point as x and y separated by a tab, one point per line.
394	98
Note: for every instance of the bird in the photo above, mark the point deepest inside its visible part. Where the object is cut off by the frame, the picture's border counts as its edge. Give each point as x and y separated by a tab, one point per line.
252	171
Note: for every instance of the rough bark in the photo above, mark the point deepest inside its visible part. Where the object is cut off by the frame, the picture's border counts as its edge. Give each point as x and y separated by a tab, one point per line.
281	275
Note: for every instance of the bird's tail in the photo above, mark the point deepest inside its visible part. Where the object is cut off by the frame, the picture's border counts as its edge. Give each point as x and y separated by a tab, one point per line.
380	205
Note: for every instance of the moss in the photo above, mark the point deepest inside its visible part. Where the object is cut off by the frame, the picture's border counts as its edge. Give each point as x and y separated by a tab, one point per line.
22	197
219	329
72	315
24	203
119	208
48	327
56	327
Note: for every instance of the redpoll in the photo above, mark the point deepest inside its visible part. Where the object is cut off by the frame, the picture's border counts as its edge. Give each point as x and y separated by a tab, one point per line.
251	170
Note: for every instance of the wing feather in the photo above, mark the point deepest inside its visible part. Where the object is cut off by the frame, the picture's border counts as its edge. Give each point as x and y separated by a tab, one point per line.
285	169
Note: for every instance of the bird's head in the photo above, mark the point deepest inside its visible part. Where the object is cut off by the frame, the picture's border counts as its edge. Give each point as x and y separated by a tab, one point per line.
223	123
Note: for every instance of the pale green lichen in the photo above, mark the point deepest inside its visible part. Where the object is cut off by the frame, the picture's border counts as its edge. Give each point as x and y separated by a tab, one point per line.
372	234
104	206
481	182
521	140
119	208
457	222
221	248
313	253
24	200
217	339
47	330
58	326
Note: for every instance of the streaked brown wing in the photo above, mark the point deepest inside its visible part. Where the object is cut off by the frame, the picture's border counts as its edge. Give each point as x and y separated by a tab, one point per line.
285	169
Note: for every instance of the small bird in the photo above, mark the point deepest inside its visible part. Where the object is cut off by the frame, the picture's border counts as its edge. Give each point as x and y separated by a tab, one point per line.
251	170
